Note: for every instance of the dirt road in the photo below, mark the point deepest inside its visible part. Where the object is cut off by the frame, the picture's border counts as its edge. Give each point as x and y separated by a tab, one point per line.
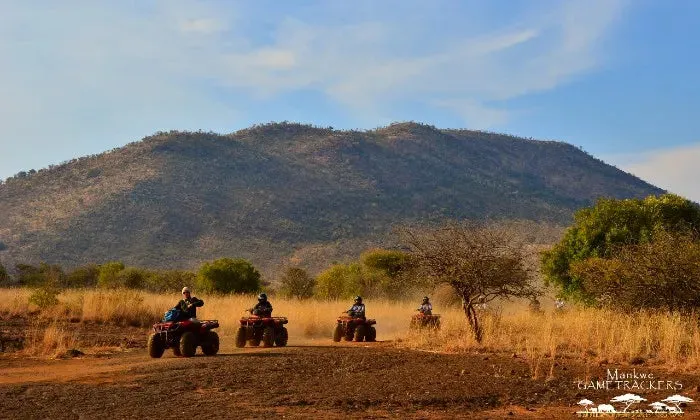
321	381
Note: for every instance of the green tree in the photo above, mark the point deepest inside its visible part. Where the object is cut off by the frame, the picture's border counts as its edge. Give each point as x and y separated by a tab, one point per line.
109	274
387	272
297	283
228	275
83	276
340	281
662	274
132	278
601	230
162	281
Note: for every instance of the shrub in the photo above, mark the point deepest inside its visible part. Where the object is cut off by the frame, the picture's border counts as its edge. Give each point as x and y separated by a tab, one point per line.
228	275
161	281
296	282
662	274
340	281
132	278
600	230
109	274
85	276
45	296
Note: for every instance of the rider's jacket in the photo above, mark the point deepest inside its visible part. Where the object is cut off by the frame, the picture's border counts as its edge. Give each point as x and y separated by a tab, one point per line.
357	310
190	312
426	308
263	308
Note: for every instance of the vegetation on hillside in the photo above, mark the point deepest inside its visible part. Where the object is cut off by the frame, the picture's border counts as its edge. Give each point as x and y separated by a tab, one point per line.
175	199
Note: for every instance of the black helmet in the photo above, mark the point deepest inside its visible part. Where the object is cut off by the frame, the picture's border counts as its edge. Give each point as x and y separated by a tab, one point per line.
358	299
262	297
426	299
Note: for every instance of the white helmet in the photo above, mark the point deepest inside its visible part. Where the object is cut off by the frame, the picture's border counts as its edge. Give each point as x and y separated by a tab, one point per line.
185	290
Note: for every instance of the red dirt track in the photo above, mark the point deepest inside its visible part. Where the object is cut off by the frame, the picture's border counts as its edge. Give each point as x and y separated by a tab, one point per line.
373	380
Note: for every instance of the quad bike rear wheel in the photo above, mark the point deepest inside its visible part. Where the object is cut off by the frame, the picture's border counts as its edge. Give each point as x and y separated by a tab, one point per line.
281	337
360	332
188	344
268	337
241	336
210	346
338	333
176	350
156	347
371	334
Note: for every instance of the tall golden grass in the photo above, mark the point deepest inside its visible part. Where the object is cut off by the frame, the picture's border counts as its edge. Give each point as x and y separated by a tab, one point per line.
591	334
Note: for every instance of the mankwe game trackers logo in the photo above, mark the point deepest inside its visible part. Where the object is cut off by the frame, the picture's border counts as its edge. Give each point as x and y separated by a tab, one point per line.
630	404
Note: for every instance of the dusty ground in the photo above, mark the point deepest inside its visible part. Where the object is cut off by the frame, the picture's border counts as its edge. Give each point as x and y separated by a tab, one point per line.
316	379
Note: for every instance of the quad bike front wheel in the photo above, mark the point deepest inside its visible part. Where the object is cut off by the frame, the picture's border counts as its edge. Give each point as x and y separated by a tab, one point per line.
210	346
268	337
156	347
360	332
349	333
338	333
241	336
188	344
281	337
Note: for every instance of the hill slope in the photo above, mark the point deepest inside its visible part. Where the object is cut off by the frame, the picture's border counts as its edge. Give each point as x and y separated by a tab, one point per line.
268	192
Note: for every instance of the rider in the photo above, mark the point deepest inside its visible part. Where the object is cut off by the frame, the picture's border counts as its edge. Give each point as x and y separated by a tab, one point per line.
426	308
357	310
188	305
263	308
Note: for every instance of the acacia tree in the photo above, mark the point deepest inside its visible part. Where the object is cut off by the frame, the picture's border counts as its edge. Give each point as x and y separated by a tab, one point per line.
480	261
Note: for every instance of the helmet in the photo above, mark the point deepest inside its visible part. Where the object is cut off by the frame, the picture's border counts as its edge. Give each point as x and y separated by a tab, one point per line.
185	290
262	297
426	299
358	299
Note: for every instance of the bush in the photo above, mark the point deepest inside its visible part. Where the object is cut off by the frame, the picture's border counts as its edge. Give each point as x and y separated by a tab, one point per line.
162	281
662	274
85	276
45	296
228	275
599	231
340	281
297	283
109	275
132	278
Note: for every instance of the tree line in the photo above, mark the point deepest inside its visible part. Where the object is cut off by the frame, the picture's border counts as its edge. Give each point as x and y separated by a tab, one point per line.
629	254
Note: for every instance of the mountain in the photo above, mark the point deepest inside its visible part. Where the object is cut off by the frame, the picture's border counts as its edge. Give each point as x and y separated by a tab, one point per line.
285	191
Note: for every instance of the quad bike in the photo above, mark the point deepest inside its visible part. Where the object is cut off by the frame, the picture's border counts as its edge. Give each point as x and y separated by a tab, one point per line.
421	320
267	330
360	329
184	337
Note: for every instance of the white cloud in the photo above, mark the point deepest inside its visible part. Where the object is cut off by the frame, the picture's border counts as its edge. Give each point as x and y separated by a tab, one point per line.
356	64
674	169
103	73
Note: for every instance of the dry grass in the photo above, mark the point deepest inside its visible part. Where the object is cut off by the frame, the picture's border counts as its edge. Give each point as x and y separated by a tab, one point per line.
591	334
52	341
596	335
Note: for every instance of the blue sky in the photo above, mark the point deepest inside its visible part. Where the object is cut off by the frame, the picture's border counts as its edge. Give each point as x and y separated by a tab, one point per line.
616	77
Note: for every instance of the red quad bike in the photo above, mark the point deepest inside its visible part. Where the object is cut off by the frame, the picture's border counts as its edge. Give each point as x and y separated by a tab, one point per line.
358	328
184	337
421	320
256	329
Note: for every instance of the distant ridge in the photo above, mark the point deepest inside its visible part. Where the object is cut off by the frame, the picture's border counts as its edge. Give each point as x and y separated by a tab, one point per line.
282	191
